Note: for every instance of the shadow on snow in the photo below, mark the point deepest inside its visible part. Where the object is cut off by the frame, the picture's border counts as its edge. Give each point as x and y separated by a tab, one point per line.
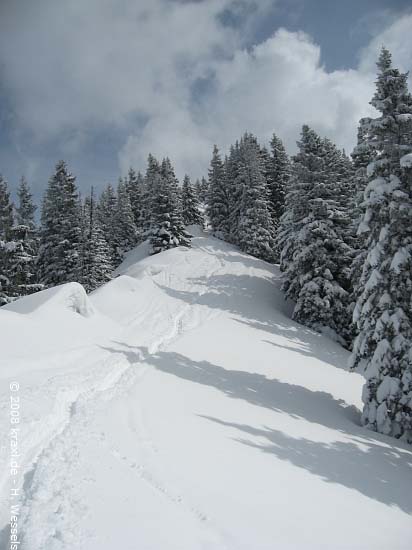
366	463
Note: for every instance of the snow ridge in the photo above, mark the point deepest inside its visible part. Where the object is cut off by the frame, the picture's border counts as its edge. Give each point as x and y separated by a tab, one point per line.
203	415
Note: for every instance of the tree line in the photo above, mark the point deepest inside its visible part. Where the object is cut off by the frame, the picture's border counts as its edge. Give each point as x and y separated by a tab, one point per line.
341	230
84	240
339	227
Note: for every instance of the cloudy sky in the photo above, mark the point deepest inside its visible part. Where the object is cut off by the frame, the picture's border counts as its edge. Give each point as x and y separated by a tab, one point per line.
101	83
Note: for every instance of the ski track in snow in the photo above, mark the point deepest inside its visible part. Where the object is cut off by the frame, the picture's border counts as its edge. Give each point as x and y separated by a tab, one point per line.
64	447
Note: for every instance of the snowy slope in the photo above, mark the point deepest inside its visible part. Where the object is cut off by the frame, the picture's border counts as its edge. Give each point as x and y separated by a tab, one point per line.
178	407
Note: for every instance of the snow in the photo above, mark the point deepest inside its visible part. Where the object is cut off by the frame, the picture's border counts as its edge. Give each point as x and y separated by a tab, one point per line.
179	407
370	169
70	296
401	258
388	387
406	161
404	117
58	319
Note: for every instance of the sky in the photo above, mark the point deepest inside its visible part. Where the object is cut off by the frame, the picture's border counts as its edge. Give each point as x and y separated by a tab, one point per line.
102	83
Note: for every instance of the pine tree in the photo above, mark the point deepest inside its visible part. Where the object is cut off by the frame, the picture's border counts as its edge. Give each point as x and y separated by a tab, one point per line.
234	187
106	214
21	262
340	172
168	173
59	258
288	226
202	189
306	170
152	172
22	256
197	189
167	228
6	245
6	210
314	255
218	200
383	312
26	208
135	189
362	156
278	171
255	229
191	213
126	236
96	257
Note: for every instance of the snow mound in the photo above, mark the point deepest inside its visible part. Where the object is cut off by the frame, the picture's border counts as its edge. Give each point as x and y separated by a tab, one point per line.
119	299
139	259
54	320
132	257
70	296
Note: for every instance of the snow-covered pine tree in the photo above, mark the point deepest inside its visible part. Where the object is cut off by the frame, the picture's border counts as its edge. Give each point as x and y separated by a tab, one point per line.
362	155
21	262
306	169
197	189
339	170
278	172
59	258
234	187
313	248
204	189
135	189
201	188
285	244
22	257
6	244
106	215
218	200
152	171
26	208
255	229
168	173
167	228
6	210
126	236
383	312
191	213
96	257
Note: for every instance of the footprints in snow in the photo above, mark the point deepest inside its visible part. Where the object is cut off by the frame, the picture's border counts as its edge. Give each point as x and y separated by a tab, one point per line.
148	477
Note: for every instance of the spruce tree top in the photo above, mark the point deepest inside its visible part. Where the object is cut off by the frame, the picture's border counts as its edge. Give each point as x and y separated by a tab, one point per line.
393	100
26	209
6	210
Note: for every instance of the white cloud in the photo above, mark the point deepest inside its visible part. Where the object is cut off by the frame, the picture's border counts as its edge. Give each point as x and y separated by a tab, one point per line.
80	62
397	37
276	86
77	67
280	84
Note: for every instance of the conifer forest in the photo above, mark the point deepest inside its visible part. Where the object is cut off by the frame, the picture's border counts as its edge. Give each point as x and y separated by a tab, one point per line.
215	358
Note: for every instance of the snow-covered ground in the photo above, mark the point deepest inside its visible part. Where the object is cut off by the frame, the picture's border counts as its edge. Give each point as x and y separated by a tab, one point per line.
178	407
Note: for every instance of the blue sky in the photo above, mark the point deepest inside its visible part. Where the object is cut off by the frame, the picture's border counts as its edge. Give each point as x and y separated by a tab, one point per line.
103	82
341	28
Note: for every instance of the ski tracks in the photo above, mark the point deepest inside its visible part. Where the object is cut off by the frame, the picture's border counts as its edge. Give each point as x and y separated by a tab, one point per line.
52	506
48	497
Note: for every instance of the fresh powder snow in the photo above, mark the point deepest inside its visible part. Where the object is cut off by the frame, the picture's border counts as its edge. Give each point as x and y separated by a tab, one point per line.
179	407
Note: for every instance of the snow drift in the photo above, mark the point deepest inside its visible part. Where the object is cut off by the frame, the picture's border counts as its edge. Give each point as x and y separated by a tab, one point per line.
192	413
55	319
70	296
